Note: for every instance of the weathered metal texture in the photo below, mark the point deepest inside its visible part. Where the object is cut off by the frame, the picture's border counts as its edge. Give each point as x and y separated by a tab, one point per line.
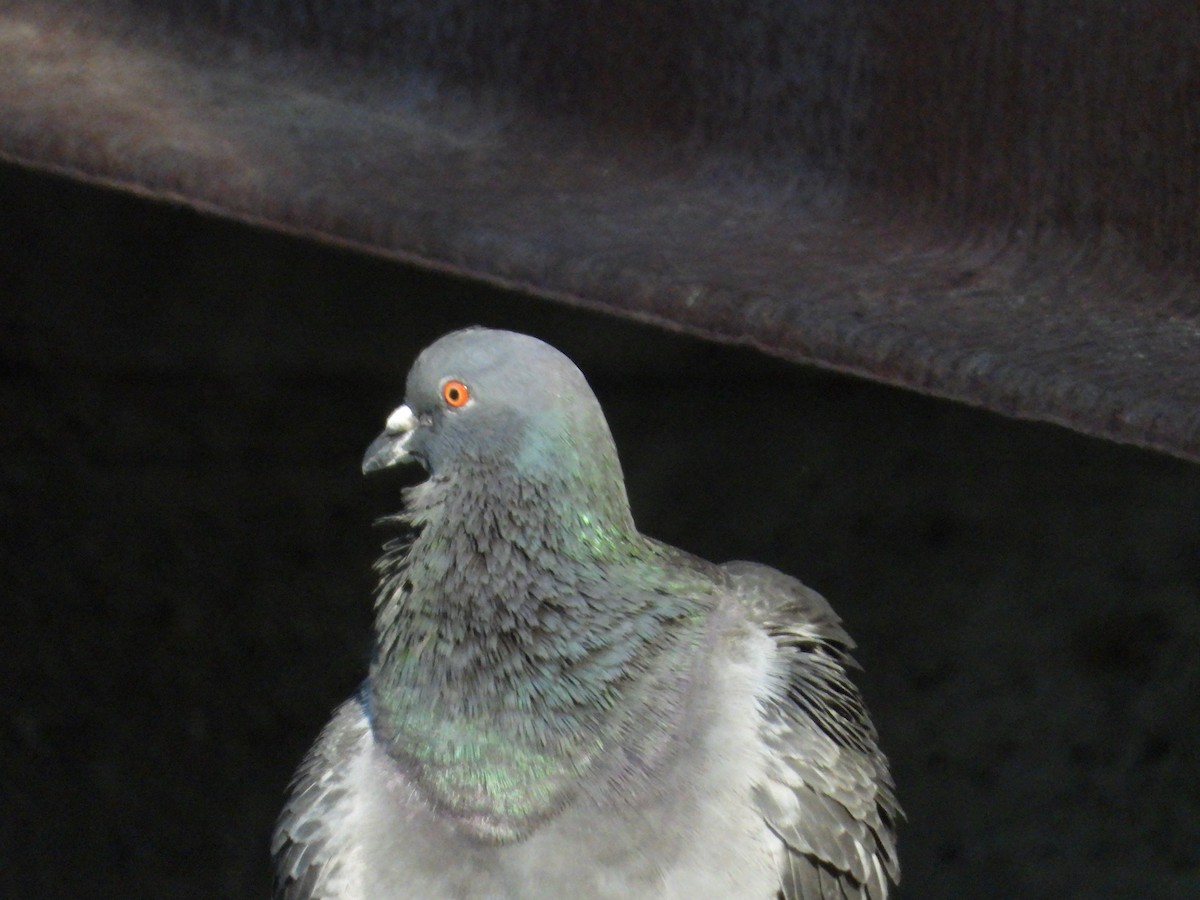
998	203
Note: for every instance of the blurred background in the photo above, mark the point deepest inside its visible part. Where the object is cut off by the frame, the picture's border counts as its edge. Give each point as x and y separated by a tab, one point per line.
187	541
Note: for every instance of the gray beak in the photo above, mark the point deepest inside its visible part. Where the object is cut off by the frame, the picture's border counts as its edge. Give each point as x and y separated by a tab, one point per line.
391	447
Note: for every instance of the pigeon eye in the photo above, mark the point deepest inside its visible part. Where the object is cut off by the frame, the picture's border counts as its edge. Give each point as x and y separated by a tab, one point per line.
455	394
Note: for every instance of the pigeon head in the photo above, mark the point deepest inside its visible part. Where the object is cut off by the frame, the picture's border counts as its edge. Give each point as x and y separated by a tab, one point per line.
494	405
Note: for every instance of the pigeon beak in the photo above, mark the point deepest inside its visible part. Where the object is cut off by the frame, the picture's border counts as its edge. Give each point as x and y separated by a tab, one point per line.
391	447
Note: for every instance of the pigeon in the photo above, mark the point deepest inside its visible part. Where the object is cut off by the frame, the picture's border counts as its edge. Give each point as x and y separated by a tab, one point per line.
560	706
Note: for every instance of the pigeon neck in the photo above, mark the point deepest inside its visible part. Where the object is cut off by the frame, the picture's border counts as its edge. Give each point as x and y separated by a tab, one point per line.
503	580
505	647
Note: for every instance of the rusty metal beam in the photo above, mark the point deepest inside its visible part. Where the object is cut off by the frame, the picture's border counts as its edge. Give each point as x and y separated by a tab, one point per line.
996	203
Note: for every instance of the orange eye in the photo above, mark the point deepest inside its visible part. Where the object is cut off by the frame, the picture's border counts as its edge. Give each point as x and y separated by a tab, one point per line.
455	394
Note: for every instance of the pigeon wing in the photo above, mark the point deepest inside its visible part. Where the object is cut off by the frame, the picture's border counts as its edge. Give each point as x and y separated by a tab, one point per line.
310	861
826	791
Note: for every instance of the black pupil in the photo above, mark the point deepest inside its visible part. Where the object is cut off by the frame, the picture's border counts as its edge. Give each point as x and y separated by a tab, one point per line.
452	394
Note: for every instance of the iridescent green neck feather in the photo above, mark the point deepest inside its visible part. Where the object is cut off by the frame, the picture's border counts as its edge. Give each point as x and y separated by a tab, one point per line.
526	624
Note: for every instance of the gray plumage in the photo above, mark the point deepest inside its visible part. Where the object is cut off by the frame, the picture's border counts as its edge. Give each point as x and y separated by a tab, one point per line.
559	706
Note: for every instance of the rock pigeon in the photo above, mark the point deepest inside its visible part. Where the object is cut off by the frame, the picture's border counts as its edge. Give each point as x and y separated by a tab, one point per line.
559	706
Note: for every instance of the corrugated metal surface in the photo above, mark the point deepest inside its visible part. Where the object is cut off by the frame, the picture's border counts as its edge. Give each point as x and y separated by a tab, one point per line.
998	203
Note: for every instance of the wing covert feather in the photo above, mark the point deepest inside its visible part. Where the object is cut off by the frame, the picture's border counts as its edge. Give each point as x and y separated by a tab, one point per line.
826	792
308	861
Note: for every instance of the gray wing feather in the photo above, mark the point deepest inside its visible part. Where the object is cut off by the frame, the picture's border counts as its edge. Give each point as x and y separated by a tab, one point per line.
308	865
827	793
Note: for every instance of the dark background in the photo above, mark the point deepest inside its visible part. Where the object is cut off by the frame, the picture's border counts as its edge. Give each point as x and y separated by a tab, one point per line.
187	543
